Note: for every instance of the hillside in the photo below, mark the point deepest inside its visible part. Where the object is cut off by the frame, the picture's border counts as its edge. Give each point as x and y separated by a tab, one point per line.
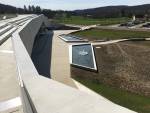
116	11
9	9
100	12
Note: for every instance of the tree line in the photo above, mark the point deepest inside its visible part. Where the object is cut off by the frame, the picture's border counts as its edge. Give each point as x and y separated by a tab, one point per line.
116	11
102	12
47	12
31	9
7	9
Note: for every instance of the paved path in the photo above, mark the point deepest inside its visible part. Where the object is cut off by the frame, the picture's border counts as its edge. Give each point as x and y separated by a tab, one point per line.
124	28
109	42
10	101
9	85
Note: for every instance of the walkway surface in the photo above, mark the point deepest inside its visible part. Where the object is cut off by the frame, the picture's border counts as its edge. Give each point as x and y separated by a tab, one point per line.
60	71
9	89
10	100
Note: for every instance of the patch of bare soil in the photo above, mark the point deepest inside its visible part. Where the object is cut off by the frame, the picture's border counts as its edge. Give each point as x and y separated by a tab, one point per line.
125	65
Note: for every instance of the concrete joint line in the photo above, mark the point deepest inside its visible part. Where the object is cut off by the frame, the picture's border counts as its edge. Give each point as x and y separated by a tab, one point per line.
10	104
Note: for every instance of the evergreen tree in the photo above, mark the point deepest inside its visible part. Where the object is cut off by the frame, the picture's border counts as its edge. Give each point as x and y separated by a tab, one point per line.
25	9
33	9
30	9
38	10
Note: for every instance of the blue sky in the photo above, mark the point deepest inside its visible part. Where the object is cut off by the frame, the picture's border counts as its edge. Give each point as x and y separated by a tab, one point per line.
73	4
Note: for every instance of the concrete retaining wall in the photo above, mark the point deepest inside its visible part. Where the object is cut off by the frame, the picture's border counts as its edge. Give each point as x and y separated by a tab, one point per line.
28	33
43	95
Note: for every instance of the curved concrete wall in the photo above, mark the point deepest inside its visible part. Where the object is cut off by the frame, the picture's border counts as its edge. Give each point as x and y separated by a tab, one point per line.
23	40
43	95
28	33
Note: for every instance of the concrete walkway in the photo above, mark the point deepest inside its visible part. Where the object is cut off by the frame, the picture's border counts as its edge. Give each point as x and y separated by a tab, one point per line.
10	100
9	85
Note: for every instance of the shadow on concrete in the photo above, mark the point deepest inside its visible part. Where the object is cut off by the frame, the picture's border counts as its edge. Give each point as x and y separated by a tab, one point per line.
57	26
41	53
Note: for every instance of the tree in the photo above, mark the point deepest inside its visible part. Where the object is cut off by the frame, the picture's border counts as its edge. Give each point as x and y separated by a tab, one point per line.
58	16
33	9
25	9
29	9
123	12
68	15
49	13
20	11
38	10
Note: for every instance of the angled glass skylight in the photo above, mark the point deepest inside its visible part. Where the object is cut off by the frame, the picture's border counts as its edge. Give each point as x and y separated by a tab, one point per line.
71	38
83	56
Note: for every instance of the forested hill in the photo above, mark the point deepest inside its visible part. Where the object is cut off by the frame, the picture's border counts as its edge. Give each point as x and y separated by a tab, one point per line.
101	12
31	9
116	11
9	9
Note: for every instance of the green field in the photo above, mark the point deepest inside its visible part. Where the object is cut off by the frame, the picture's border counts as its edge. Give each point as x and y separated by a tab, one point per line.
140	104
110	34
78	20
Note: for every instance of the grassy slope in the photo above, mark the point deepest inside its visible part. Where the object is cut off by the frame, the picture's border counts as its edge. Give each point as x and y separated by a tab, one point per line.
97	34
88	21
134	102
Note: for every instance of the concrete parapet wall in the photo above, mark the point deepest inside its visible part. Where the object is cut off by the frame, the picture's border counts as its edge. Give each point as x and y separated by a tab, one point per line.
28	33
23	40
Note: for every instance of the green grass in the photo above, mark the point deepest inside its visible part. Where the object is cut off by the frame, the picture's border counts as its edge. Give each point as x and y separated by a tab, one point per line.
98	34
140	104
78	20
